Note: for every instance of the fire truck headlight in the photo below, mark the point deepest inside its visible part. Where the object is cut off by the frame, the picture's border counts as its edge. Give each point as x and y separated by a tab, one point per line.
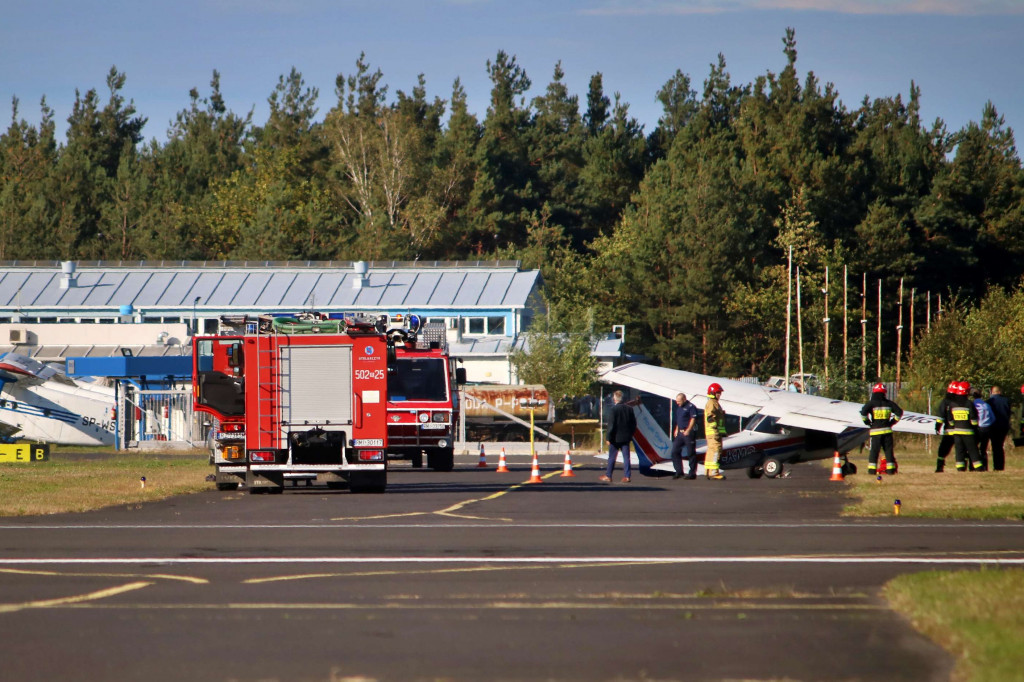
439	416
424	417
442	443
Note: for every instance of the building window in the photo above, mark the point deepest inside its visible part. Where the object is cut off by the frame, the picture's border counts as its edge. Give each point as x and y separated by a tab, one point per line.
484	325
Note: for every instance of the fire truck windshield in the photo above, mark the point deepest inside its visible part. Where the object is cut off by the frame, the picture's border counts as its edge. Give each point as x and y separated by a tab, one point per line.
418	379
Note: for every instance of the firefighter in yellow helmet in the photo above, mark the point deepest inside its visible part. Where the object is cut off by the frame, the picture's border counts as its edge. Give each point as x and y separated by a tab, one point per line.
714	431
879	414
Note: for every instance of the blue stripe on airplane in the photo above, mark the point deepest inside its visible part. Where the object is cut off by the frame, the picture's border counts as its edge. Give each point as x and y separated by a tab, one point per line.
36	411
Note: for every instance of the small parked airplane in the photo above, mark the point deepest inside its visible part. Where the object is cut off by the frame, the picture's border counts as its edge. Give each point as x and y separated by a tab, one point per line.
778	427
39	403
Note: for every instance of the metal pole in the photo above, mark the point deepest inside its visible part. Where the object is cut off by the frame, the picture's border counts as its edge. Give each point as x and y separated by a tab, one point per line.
789	311
864	327
846	313
800	335
899	340
825	291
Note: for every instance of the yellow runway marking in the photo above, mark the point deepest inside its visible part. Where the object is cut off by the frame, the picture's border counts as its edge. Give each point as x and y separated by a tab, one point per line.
440	571
450	511
71	601
156	576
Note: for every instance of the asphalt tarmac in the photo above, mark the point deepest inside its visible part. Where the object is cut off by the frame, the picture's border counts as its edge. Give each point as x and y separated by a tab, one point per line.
479	575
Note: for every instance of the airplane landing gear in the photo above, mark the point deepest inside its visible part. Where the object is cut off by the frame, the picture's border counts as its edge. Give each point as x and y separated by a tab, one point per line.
772	467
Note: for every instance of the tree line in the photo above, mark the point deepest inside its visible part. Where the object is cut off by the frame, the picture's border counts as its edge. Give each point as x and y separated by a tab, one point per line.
681	233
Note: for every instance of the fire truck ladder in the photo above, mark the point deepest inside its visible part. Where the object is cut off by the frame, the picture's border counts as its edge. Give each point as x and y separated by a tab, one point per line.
267	394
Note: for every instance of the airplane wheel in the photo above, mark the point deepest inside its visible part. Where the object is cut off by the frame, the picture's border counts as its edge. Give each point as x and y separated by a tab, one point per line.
849	469
772	467
755	472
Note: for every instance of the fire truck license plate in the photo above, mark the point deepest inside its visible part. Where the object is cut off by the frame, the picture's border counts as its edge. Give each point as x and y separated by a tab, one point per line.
368	442
431	425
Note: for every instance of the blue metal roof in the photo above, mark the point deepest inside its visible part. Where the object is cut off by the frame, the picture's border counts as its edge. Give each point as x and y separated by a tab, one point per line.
266	286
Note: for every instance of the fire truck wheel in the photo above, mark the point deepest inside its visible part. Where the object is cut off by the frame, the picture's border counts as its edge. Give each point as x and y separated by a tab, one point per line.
368	482
441	460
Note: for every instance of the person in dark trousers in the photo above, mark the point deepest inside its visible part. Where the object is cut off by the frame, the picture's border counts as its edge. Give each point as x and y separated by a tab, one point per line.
879	414
1000	426
985	421
943	426
621	428
684	437
964	417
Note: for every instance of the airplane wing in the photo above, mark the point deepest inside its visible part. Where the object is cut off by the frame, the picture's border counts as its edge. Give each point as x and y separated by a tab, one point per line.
745	400
17	367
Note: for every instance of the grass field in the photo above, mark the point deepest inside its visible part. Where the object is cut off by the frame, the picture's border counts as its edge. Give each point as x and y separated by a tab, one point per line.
85	479
978	616
924	493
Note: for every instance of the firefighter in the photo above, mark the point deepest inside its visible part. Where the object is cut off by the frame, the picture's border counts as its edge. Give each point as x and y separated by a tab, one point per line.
714	431
879	414
963	416
943	426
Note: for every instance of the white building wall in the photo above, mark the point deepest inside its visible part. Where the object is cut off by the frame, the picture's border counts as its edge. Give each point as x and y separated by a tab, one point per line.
75	334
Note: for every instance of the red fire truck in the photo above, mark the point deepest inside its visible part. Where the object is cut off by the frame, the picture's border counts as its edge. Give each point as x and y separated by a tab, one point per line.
296	398
423	397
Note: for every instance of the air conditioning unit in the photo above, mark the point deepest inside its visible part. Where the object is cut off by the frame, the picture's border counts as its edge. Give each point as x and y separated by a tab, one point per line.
17	336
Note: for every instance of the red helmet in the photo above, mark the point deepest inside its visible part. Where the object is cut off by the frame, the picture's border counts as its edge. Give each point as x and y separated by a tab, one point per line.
1022	388
952	388
715	389
960	388
878	388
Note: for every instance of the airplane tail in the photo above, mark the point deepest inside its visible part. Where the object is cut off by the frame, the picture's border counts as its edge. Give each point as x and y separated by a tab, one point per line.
650	441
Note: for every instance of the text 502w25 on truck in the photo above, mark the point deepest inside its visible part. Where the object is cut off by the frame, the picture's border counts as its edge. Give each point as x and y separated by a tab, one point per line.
297	398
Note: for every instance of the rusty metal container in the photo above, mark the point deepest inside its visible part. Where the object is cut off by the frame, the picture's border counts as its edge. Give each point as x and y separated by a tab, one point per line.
516	400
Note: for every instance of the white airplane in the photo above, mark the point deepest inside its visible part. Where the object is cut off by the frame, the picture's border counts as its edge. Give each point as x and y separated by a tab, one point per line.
778	427
39	403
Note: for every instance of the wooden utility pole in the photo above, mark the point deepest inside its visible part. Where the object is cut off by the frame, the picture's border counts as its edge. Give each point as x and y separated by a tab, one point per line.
910	342
845	327
879	344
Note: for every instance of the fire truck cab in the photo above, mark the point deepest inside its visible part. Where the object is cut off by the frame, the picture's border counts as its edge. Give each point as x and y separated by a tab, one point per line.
423	396
296	398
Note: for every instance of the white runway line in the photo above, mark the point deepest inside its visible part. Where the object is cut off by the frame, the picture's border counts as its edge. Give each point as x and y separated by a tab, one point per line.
608	560
354	524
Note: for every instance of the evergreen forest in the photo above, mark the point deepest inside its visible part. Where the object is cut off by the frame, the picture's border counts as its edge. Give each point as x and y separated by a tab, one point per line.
685	233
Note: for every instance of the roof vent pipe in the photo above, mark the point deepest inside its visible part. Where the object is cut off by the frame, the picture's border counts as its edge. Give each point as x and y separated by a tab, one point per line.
68	280
361	279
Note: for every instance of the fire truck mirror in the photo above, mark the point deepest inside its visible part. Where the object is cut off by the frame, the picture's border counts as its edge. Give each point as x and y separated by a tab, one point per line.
460	375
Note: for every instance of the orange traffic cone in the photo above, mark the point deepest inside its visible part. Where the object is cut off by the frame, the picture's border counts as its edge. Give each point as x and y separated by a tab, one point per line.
502	469
567	470
837	468
483	458
535	472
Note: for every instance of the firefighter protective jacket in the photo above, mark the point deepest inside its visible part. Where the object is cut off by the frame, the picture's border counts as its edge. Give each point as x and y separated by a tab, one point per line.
880	414
962	414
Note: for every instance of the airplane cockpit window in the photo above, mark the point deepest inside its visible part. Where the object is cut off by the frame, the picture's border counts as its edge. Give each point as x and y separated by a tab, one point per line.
765	424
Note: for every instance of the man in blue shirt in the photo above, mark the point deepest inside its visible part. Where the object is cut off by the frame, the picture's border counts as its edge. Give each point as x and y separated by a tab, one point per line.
684	437
1000	427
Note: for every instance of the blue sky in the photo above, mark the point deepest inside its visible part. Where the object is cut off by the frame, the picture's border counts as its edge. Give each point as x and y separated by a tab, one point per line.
960	52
